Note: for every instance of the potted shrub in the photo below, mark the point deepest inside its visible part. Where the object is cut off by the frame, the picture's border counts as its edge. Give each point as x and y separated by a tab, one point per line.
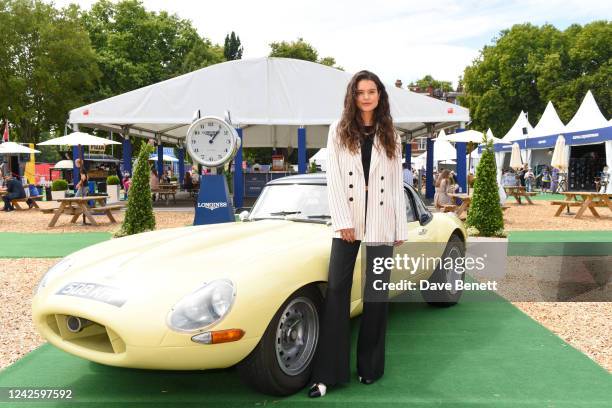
113	185
58	189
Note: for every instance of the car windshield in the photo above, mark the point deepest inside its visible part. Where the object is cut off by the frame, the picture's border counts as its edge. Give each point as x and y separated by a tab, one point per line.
292	201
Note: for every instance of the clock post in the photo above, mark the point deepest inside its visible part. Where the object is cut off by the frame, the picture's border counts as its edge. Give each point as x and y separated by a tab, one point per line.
212	142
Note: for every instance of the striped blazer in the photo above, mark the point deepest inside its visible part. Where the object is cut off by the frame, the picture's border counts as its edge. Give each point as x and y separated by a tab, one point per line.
386	207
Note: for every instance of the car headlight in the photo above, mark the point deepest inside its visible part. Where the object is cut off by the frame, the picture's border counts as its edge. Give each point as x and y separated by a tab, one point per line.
56	270
204	307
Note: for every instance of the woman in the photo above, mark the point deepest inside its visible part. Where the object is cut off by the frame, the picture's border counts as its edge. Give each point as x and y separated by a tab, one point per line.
82	187
154	182
443	185
366	200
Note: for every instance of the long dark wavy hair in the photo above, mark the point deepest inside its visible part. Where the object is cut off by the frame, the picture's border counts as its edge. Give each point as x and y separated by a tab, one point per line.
351	125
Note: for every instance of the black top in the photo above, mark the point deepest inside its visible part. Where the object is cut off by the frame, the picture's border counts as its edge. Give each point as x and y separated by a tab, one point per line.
366	141
15	188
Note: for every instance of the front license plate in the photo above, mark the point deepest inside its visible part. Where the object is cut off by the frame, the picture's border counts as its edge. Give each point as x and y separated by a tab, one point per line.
93	291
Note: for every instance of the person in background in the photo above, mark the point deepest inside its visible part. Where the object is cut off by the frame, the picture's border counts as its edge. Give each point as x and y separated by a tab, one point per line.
154	182
529	179
408	177
127	183
443	187
14	190
195	177
545	174
555	179
187	182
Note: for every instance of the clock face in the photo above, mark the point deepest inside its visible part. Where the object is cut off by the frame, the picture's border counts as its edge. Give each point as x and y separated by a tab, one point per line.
211	141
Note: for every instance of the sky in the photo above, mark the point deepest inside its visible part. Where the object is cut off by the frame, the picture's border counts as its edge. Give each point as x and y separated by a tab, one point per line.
396	39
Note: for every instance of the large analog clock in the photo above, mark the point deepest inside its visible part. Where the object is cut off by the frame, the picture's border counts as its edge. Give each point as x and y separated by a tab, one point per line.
211	141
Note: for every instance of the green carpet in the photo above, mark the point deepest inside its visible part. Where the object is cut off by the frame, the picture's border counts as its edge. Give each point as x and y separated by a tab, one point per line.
540	196
558	243
21	245
476	354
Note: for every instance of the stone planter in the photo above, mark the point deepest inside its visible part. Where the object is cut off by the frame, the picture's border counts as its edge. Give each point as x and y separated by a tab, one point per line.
113	193
58	194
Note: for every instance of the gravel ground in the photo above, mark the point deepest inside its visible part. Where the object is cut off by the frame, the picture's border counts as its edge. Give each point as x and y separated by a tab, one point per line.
584	325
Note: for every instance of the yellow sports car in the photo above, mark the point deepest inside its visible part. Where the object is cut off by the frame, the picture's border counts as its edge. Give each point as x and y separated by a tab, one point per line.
246	293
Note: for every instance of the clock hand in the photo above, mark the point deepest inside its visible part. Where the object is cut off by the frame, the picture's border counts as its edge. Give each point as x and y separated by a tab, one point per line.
213	138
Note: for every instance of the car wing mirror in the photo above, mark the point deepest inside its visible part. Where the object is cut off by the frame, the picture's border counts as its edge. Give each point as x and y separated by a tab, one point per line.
424	219
244	216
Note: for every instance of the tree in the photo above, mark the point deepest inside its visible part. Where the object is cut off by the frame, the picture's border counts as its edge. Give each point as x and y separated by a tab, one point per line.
300	49
136	47
485	211
428	81
47	67
232	49
526	66
139	215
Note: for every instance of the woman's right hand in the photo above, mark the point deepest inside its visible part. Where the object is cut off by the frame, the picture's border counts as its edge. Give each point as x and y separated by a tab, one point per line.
348	234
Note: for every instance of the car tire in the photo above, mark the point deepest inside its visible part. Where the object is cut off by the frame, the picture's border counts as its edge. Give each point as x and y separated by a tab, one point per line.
281	363
445	298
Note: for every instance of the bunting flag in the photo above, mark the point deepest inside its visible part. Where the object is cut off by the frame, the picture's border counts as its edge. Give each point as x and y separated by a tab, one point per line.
5	136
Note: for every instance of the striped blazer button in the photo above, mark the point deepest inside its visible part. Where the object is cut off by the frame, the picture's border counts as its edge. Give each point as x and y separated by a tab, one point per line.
381	203
350	173
382	190
350	186
382	177
351	199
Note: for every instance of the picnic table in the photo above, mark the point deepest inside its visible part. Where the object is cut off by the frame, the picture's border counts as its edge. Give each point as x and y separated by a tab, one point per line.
77	206
15	201
465	202
166	190
585	200
518	192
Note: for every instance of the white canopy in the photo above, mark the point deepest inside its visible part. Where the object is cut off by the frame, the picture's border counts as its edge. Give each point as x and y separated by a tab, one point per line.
549	123
78	139
443	150
15	148
587	117
64	164
279	93
516	131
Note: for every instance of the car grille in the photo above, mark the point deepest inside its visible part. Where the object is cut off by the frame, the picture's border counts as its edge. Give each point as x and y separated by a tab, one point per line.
93	336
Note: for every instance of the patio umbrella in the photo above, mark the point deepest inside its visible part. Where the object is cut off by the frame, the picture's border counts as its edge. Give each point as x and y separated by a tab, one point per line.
559	161
78	139
515	157
165	158
15	148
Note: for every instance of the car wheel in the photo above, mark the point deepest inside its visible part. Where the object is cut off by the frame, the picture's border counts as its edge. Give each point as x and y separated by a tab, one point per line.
281	363
455	248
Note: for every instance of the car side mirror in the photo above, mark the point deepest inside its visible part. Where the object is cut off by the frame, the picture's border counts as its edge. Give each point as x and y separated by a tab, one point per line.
424	219
244	216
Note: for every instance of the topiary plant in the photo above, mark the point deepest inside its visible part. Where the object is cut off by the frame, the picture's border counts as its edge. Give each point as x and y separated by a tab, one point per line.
59	185
485	212
139	215
112	181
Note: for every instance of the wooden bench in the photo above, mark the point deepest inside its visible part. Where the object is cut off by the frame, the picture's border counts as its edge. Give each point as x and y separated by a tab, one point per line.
530	194
165	194
48	210
563	204
15	202
107	210
505	207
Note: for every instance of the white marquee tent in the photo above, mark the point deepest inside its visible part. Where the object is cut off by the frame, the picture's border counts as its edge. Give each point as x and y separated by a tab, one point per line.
267	97
588	116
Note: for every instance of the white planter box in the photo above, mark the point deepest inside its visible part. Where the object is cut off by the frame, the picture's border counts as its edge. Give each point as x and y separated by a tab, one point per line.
113	193
58	194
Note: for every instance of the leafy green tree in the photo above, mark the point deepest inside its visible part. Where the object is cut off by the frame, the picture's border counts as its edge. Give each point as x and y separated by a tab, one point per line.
428	81
232	48
485	211
526	66
139	215
47	67
300	49
136	47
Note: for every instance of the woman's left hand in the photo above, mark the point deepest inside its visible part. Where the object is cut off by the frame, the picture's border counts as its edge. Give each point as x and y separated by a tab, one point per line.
398	243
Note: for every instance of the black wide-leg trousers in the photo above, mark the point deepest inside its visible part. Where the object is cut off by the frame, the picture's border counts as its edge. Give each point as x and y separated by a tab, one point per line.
332	359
